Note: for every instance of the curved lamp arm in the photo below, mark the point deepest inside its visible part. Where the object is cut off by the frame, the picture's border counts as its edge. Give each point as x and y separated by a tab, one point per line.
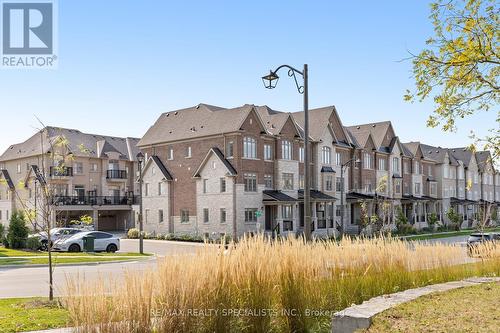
291	73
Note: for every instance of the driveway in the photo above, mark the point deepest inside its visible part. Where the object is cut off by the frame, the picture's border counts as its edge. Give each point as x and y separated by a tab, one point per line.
458	240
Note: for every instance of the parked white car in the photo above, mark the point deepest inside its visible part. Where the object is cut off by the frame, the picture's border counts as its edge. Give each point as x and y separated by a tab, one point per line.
103	242
55	234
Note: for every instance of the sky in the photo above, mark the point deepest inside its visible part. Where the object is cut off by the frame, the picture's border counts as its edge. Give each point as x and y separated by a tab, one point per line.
122	63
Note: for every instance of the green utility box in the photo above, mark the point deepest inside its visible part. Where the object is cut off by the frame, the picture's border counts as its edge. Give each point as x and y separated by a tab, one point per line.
88	243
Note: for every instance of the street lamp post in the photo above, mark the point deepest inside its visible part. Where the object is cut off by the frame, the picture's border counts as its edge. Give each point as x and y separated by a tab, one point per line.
342	190
140	160
270	82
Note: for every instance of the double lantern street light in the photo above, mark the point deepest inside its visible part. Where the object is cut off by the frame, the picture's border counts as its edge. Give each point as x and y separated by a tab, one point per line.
270	81
140	161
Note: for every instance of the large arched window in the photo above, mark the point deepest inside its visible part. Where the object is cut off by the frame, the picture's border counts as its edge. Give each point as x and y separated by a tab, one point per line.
249	147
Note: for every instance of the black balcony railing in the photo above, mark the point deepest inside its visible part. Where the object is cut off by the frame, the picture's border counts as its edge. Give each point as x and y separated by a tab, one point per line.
116	174
61	171
111	200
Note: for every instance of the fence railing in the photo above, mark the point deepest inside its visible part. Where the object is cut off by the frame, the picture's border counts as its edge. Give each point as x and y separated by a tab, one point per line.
94	200
116	174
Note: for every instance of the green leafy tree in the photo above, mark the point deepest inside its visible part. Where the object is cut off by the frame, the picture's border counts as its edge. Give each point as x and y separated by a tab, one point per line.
454	218
18	231
459	68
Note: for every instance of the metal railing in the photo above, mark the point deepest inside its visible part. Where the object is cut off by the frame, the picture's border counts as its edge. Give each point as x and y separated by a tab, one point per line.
116	174
111	200
61	171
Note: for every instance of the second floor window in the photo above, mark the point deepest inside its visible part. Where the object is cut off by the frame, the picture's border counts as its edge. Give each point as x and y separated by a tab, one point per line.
188	152
78	168
406	167
249	147
397	186
417	188
338	184
395	164
329	183
146	189
287	181
205	181
301	181
381	164
326	155
223	185
268	181
268	153
429	170
286	150
250	182
417	168
367	161
338	159
301	154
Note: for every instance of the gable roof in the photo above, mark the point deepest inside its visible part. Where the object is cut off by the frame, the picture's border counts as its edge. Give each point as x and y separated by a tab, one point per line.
437	154
483	159
163	169
7	178
377	130
79	144
195	122
463	154
217	152
318	120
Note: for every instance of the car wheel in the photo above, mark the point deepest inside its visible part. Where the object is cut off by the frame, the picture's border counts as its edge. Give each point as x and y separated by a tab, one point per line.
112	248
74	248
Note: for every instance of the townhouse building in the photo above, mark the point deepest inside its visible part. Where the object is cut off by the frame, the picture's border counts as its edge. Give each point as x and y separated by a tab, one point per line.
94	176
240	170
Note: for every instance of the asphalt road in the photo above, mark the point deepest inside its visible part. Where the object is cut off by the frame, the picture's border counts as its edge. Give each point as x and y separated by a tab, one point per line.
33	281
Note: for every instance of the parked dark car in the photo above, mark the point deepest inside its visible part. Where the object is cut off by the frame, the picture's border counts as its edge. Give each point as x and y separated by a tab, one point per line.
480	238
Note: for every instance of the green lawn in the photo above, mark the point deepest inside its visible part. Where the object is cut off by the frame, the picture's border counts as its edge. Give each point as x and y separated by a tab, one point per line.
30	314
60	260
23	253
470	309
448	234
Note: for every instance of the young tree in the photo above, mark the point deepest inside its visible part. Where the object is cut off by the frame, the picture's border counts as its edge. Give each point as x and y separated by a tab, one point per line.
460	67
18	231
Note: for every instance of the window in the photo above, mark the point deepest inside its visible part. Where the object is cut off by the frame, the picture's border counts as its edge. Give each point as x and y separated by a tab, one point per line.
146	189
329	183
223	215
326	155
205	185
446	171
417	168
18	167
381	164
301	154
397	186
170	153
476	176
222	185
368	187
433	188
406	167
161	188
184	215
338	159
395	164
287	212
93	167
338	210
417	188
338	184
287	181
268	181
286	150
267	152
460	173
249	147
429	170
146	216
250	214
160	215
206	215
250	182
301	181
78	168
230	149
188	152
367	161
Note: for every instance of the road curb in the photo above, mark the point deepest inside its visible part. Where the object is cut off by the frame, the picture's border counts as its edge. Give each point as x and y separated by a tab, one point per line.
360	316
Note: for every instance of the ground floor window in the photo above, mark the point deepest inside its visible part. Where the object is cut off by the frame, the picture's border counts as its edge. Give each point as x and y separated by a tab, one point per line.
250	214
223	215
184	215
160	215
205	215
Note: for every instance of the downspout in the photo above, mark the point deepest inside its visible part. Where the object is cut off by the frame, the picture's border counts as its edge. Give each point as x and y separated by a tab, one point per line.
235	225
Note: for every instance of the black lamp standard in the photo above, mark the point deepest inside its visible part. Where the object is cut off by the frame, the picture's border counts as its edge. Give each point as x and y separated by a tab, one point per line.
270	82
342	189
140	160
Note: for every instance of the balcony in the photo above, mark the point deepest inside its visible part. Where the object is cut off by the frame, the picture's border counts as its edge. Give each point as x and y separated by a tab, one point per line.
61	171
116	174
65	200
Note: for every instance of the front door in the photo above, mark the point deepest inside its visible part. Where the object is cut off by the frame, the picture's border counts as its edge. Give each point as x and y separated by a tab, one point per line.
270	214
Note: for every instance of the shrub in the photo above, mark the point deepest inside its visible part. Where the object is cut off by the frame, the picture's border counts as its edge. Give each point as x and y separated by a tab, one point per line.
455	219
33	243
2	231
18	231
432	221
405	229
133	233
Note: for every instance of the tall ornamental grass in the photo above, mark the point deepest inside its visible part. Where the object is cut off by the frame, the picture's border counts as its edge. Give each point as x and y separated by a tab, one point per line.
262	286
